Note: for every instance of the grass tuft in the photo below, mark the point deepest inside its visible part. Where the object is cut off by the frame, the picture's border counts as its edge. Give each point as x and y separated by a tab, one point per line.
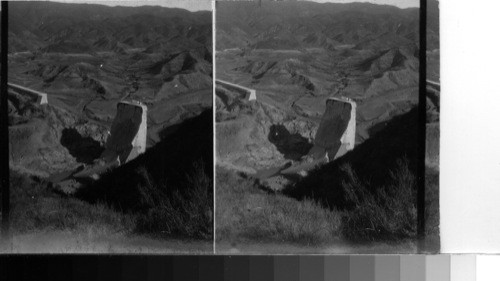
386	213
182	214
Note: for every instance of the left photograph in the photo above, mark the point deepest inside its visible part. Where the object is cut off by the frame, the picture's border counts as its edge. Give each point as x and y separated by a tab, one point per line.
110	127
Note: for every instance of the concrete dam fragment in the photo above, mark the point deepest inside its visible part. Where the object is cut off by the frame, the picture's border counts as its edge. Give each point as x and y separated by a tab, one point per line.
247	93
128	133
36	96
337	130
126	141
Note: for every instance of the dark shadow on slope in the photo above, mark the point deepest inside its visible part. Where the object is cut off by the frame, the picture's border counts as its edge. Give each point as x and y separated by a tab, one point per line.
367	63
292	146
188	64
374	185
84	149
168	131
372	161
169	186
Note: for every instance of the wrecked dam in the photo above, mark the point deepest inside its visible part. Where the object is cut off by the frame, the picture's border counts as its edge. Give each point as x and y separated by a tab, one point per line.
337	130
247	93
126	141
335	136
128	133
37	97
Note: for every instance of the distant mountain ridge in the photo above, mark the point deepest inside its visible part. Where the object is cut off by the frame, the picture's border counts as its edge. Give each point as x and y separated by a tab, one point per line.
87	57
52	26
300	24
432	24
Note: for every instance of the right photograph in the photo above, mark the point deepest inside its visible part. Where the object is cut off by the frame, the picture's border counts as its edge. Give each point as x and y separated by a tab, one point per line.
317	127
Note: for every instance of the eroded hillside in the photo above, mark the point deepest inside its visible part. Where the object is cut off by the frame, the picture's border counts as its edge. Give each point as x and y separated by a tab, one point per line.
89	57
299	54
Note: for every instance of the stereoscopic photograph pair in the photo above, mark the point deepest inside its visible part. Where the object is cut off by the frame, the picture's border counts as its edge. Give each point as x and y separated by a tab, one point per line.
220	127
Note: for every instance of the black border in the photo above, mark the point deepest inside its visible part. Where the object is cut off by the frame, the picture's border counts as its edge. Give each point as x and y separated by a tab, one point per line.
4	123
422	104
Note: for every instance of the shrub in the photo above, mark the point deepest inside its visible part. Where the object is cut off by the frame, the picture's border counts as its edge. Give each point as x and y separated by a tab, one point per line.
384	213
373	185
169	187
184	212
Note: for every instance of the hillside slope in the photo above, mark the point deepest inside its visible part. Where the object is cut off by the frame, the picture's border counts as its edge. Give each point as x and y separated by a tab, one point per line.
301	24
89	57
171	184
64	27
298	54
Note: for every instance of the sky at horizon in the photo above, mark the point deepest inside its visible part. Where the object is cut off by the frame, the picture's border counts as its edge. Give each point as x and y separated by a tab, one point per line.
398	3
190	5
206	5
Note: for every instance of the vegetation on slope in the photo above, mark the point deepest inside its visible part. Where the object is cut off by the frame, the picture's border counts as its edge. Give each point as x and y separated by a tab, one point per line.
375	184
170	186
367	195
165	193
35	208
247	213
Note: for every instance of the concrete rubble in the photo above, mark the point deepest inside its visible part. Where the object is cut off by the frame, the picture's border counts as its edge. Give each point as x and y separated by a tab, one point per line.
126	141
337	131
37	97
249	94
